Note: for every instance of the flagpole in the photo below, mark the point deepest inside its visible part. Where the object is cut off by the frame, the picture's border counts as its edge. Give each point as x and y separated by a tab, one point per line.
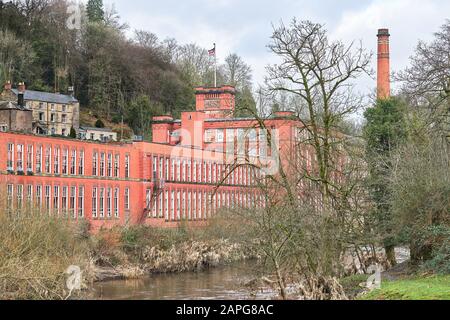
215	66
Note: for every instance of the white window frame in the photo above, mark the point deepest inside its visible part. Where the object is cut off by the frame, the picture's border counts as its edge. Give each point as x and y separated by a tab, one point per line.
127	199
80	204
94	202
30	157
116	203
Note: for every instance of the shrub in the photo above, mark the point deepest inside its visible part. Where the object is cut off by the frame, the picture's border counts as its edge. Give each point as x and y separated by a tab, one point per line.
116	119
420	188
73	133
99	124
440	254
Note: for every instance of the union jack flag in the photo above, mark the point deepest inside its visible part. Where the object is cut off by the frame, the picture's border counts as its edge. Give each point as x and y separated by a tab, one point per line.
212	52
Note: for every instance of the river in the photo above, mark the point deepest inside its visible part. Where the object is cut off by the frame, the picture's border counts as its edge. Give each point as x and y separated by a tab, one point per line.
222	283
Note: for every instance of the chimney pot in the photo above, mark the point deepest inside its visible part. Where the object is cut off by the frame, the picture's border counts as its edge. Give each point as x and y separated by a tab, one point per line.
8	85
21	87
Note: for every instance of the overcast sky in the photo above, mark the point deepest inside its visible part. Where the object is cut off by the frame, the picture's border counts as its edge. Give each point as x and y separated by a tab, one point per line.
244	27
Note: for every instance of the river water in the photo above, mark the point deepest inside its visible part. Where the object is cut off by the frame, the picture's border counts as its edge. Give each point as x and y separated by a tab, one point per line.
223	283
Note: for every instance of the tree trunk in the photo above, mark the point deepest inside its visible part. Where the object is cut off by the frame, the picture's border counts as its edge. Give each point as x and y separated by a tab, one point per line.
280	280
390	255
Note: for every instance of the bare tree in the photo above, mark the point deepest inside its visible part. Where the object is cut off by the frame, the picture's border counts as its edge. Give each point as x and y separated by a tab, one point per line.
320	72
195	64
146	39
236	72
171	49
15	57
112	18
33	10
427	81
315	203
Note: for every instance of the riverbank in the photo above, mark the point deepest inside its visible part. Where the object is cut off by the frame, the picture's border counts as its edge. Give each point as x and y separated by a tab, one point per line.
436	287
131	252
190	256
36	251
402	282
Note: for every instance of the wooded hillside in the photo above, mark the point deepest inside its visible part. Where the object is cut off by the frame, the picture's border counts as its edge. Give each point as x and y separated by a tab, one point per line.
46	45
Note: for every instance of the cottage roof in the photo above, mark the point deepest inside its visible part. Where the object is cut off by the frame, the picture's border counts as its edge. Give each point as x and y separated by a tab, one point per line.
96	129
9	105
46	97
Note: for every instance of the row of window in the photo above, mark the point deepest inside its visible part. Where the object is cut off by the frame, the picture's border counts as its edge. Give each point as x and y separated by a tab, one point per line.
42	105
44	159
108	165
53	117
65	161
252	141
187	170
105	202
67	200
174	205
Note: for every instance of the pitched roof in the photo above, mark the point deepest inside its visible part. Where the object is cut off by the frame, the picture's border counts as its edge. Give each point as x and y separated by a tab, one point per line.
96	129
47	97
10	105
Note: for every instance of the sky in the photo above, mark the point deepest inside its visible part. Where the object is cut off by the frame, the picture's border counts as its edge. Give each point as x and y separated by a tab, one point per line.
245	27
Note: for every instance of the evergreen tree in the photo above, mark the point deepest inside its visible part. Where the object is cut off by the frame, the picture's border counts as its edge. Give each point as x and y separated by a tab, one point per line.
245	104
140	113
95	10
99	124
73	133
384	131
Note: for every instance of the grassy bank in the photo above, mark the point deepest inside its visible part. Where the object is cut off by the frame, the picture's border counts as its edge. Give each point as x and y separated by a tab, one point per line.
416	288
411	287
36	250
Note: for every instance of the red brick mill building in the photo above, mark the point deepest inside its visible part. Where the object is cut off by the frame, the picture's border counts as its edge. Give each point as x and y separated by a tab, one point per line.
172	179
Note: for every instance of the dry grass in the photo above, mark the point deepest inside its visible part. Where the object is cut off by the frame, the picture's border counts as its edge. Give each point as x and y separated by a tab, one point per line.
35	251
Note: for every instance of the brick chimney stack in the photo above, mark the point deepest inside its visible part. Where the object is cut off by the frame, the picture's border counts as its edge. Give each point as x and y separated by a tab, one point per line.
384	74
21	94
